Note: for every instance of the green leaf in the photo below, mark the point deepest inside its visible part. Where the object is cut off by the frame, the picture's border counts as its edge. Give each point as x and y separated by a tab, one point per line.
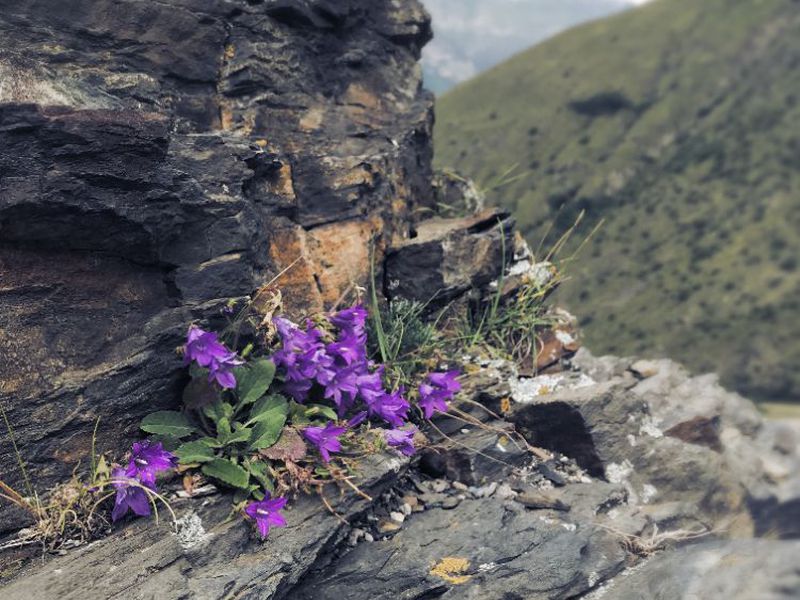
167	422
241	434
218	410
227	472
209	441
194	452
254	380
269	414
325	411
269	408
259	470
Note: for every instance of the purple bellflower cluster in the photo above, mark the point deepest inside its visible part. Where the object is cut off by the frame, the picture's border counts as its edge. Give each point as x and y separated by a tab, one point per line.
147	459
341	372
205	349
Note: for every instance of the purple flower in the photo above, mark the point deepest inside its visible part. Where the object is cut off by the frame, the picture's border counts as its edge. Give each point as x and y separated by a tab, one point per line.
357	419
204	348
130	496
147	459
392	408
325	438
446	382
348	350
351	322
342	389
401	440
436	391
431	399
266	515
303	357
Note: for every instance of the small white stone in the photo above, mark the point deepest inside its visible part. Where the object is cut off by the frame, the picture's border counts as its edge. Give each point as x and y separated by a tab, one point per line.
397	517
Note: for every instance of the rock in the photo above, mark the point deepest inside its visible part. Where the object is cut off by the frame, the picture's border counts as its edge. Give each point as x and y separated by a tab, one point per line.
388	526
433	499
536	499
456	195
500	552
447	257
480	456
439	485
668	438
229	556
161	158
733	569
451	502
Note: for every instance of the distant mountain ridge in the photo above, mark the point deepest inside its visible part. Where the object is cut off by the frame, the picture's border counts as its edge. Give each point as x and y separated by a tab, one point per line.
472	35
679	123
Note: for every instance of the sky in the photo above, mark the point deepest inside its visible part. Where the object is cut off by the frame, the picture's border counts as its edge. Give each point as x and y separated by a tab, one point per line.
473	35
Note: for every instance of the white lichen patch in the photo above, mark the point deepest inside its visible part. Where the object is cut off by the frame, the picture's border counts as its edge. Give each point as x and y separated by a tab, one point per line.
649	426
190	531
564	337
619	473
648	493
528	389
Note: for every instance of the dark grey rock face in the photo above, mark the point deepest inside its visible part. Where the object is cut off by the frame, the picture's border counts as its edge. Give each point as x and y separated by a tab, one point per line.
504	549
447	257
211	557
733	569
159	158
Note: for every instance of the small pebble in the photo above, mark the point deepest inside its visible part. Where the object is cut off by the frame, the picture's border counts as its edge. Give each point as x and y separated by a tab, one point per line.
368	537
504	491
398	517
431	500
406	508
439	485
410	500
387	526
451	502
355	535
460	486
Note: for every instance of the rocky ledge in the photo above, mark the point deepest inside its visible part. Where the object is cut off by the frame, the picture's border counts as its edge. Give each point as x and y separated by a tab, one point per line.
160	159
627	490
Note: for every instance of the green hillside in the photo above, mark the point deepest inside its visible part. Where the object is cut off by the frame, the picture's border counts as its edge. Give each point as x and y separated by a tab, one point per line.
679	123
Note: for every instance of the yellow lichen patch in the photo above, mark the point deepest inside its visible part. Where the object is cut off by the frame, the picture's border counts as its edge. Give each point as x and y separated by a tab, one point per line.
505	405
230	52
262	143
452	569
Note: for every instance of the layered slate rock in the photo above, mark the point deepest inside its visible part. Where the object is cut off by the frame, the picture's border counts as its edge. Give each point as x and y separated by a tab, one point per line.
482	549
735	569
688	451
446	257
160	158
211	556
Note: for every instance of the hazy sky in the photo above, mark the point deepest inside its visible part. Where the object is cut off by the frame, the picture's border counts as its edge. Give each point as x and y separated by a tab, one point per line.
473	35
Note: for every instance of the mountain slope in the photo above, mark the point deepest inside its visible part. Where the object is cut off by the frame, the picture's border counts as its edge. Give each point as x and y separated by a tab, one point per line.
473	35
679	123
